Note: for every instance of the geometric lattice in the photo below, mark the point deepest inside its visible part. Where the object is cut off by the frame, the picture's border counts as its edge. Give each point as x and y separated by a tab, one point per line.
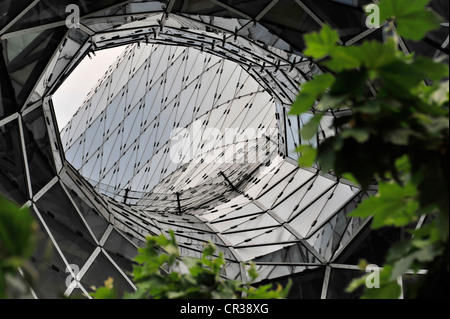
122	137
189	66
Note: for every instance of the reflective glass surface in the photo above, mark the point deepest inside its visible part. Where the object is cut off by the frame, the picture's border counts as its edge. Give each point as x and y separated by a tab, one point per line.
12	176
201	68
40	160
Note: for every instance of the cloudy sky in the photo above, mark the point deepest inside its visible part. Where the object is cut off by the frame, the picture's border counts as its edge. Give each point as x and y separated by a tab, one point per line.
69	97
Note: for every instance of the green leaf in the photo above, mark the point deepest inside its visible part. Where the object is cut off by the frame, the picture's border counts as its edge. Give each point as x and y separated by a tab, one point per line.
355	284
17	234
440	94
426	253
416	25
331	101
399	81
371	107
429	69
401	266
344	58
350	83
394	205
350	177
209	250
389	290
326	154
376	54
310	129
104	293
403	165
398	136
360	135
176	294
252	272
413	19
310	92
402	77
308	155
321	44
433	125
201	281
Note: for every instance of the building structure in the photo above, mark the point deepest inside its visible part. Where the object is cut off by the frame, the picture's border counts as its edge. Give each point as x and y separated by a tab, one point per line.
149	150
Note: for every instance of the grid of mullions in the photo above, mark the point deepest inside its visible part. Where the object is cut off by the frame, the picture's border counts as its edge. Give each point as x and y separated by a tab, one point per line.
172	88
264	38
72	229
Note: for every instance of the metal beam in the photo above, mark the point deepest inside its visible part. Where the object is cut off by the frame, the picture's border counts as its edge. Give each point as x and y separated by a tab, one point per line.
19	16
231	9
266	10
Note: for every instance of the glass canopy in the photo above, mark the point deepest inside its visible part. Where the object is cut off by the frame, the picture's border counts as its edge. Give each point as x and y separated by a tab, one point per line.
187	131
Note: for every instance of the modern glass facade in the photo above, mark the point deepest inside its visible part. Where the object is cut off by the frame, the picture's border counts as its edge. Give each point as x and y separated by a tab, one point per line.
188	131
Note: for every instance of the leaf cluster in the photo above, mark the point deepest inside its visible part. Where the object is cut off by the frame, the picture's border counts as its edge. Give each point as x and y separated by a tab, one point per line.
161	273
394	134
17	242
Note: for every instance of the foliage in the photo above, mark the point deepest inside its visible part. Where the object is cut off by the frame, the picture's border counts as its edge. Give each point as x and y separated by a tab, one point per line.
17	238
163	276
395	136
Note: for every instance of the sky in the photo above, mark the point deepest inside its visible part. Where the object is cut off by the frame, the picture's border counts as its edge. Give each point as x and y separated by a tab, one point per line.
72	93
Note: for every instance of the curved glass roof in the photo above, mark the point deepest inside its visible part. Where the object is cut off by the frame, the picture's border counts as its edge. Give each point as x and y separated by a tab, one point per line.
119	172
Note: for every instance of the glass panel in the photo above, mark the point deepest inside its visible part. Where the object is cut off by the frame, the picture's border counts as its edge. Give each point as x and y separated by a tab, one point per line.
7	97
16	287
347	18
328	238
297	253
244	237
76	249
102	269
431	287
125	264
51	283
371	245
288	18
293	136
96	222
249	7
10	10
45	251
94	137
261	221
120	246
339	196
429	47
71	47
39	154
255	252
227	213
45	12
306	285
66	226
204	7
339	281
28	55
77	293
278	235
12	176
